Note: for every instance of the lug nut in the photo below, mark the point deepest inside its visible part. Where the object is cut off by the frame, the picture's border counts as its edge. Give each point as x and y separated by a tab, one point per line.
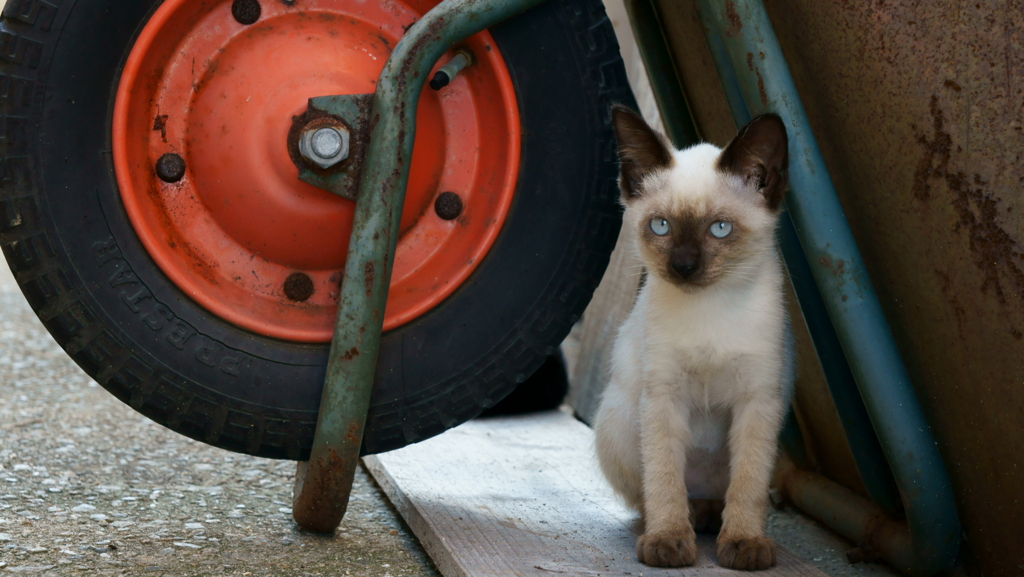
448	206
298	287
170	167
246	11
324	146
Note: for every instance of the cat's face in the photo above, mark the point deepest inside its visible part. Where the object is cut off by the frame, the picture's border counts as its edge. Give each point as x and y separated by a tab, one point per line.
703	215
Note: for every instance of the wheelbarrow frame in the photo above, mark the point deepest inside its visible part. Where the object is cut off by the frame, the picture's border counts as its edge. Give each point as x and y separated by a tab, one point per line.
323	484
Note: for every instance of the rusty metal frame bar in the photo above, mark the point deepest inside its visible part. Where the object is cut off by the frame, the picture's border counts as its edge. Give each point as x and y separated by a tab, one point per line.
932	538
323	485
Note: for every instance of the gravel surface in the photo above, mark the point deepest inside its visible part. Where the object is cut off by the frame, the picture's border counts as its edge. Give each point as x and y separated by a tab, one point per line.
89	486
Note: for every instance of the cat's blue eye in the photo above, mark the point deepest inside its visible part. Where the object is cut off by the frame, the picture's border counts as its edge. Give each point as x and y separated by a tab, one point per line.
721	229
659	226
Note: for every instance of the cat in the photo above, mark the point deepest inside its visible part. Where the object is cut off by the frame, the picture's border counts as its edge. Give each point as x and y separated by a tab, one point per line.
702	369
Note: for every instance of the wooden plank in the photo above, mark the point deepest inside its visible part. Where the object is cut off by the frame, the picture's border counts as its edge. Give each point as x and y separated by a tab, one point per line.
523	496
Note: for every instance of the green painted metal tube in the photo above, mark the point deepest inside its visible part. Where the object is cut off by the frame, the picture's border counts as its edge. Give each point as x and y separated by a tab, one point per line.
760	67
322	488
872	466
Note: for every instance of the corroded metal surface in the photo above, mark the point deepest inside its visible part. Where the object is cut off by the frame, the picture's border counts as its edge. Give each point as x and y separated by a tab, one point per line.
918	111
920	107
349	110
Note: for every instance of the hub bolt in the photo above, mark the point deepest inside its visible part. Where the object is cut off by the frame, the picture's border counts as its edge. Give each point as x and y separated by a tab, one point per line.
324	146
298	287
246	11
448	206
170	167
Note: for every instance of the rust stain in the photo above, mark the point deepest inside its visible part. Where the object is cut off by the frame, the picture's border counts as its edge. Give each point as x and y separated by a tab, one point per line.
211	71
350	354
323	498
353	433
837	268
368	277
996	253
760	88
735	24
160	123
760	80
298	287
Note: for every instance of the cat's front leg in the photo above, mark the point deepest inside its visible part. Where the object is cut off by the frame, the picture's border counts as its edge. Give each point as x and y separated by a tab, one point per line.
752	446
669	539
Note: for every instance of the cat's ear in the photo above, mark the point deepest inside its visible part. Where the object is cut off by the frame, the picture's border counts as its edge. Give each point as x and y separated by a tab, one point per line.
641	150
760	155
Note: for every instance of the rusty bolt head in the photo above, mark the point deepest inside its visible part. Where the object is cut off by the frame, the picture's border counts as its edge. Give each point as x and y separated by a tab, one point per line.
246	11
448	205
298	287
170	167
324	146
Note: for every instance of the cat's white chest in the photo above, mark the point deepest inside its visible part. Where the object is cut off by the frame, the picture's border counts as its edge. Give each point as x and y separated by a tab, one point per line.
707	352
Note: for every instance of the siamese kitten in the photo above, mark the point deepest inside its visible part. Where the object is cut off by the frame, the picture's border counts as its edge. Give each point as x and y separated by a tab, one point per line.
702	369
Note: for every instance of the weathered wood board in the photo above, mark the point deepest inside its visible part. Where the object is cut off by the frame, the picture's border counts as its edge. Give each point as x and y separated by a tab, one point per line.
523	496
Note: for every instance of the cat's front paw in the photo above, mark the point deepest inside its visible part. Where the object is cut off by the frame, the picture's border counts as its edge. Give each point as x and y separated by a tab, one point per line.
749	554
667	549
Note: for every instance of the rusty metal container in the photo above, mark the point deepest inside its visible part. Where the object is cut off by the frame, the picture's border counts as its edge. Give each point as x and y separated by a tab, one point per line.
918	108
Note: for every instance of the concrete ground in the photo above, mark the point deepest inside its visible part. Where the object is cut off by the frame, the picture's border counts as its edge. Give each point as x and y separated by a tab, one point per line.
90	487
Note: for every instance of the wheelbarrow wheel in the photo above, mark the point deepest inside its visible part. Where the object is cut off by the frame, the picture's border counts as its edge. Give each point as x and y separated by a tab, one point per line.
102	290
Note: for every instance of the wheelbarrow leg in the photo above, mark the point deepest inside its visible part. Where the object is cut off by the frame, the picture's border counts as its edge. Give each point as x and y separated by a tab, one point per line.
323	484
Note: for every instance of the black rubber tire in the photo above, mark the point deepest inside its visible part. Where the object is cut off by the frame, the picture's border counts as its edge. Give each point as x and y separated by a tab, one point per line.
543	391
65	233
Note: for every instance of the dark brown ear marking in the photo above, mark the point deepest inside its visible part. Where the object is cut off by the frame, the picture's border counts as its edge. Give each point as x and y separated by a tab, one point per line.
641	150
760	154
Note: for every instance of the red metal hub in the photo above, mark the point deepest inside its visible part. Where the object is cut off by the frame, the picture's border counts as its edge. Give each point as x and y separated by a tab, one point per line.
237	231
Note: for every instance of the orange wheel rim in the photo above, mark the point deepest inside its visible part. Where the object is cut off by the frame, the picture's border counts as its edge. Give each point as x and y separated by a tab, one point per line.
239	226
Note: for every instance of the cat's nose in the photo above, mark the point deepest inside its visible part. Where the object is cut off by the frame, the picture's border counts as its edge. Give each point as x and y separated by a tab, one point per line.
686	260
